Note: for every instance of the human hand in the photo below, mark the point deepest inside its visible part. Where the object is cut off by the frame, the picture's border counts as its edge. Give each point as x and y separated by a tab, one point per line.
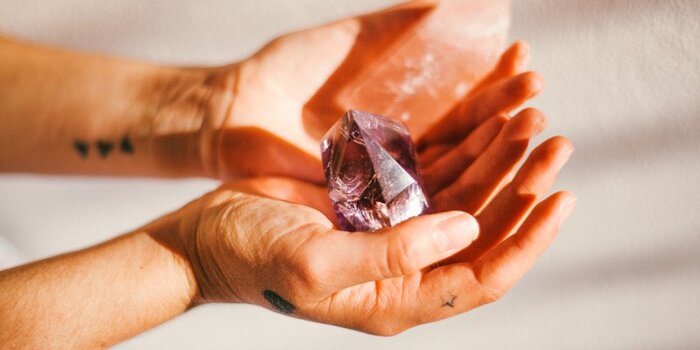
266	114
235	244
284	255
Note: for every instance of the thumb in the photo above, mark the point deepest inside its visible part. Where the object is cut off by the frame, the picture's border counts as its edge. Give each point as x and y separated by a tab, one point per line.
403	249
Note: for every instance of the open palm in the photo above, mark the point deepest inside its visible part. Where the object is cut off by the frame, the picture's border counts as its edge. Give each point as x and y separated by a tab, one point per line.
285	97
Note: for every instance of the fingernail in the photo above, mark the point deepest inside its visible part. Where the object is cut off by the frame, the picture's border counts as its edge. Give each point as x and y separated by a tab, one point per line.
524	49
456	231
525	125
540	124
563	157
566	210
567	153
523	55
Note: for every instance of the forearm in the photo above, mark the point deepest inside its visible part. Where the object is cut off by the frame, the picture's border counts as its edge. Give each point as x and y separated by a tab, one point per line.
94	297
73	113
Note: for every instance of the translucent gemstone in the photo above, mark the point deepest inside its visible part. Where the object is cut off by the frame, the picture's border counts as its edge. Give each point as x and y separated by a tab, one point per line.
416	64
371	172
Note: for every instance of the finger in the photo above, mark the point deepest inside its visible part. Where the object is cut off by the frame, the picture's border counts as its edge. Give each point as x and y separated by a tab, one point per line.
503	266
514	202
498	98
456	288
419	4
447	168
397	251
431	154
474	187
512	61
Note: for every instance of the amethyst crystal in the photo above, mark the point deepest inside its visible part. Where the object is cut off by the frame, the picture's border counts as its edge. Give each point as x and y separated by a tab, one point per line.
370	166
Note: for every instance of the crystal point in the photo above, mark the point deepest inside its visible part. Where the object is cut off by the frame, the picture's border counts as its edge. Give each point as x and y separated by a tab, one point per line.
371	172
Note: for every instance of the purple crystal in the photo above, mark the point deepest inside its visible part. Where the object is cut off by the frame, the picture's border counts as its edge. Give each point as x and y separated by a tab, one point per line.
370	166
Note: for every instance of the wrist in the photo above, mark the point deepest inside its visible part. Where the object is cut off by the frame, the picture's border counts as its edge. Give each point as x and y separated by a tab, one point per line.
172	235
200	232
188	109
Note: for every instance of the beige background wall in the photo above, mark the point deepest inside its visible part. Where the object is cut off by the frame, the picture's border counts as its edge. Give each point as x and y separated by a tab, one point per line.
623	81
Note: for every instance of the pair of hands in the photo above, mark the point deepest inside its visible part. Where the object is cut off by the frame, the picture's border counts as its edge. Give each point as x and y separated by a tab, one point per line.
270	239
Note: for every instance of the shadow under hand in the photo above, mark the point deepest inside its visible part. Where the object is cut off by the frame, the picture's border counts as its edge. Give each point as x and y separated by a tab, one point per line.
252	151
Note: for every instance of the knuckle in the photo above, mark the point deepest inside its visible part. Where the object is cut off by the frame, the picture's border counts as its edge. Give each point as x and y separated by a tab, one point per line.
490	295
524	192
492	289
521	243
400	253
308	267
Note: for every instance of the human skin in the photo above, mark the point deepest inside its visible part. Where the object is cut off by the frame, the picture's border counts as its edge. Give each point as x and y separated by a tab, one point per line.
238	245
268	241
72	113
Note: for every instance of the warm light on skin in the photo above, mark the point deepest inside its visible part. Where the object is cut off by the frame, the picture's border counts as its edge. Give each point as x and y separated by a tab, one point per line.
267	240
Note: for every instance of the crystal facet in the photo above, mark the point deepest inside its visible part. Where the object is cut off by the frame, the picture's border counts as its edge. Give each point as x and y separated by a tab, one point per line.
371	172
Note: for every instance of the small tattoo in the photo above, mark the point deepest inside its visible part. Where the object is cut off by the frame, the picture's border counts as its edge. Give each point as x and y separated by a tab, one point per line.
82	147
278	302
126	146
105	147
450	302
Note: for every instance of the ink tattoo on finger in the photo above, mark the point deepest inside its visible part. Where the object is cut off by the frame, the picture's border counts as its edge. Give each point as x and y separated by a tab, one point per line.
450	302
278	303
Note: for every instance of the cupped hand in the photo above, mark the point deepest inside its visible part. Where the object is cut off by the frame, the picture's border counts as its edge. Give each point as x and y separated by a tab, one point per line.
261	241
269	111
272	242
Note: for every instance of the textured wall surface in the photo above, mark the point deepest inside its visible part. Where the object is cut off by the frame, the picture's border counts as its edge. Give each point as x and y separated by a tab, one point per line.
622	81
